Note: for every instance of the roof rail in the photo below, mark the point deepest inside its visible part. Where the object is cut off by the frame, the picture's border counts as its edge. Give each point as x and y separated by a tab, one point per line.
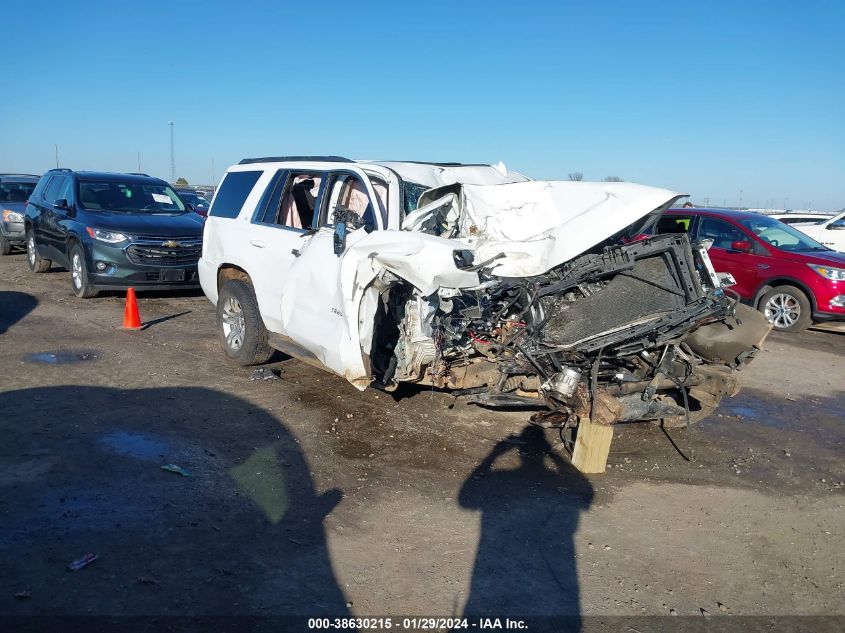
60	169
282	159
20	175
138	173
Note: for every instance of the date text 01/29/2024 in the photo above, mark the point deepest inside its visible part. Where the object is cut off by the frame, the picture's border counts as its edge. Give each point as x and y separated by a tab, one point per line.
416	623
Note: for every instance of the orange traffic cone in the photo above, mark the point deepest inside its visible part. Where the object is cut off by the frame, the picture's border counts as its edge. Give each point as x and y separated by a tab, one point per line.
131	316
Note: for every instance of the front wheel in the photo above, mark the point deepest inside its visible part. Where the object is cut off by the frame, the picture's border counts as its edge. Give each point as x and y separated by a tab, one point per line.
239	326
787	309
37	264
79	274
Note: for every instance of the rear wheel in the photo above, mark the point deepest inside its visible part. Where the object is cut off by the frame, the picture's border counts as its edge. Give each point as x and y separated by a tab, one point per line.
787	308
239	326
79	274
37	264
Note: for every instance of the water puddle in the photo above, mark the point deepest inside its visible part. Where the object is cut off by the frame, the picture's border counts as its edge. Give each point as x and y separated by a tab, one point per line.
135	444
63	358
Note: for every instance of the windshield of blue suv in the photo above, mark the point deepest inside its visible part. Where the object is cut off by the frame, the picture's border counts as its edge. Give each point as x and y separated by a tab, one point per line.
781	235
128	197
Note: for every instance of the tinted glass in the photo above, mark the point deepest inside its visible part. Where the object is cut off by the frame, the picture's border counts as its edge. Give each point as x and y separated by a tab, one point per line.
15	191
52	190
268	207
722	233
674	224
232	194
128	197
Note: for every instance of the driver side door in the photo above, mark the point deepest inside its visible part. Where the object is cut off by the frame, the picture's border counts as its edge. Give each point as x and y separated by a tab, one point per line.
313	312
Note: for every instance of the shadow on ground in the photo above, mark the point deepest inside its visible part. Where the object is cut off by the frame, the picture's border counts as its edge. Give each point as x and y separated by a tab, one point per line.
81	472
525	562
14	306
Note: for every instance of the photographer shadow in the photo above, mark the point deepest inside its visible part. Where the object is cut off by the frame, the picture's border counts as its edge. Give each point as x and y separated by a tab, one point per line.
525	564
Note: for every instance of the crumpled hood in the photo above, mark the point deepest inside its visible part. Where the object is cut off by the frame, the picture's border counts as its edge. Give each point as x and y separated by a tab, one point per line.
537	225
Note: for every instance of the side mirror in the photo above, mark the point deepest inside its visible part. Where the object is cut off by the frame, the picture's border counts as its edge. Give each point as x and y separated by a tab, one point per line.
743	246
190	207
61	203
345	220
339	238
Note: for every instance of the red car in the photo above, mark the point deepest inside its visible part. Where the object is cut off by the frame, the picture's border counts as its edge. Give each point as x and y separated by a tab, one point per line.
788	276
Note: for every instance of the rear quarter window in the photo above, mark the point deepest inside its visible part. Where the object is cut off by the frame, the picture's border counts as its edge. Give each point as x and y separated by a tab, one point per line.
232	194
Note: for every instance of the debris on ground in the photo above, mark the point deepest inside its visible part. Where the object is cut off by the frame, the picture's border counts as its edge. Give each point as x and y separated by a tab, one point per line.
79	563
146	580
173	468
265	373
23	595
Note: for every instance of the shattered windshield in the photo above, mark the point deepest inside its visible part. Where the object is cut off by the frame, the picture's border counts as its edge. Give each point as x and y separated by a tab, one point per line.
781	235
411	192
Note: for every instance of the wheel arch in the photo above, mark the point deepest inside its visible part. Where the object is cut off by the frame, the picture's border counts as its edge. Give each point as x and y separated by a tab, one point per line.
784	281
226	272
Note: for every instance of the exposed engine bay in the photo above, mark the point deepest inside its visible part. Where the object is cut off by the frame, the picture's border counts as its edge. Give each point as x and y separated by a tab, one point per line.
625	332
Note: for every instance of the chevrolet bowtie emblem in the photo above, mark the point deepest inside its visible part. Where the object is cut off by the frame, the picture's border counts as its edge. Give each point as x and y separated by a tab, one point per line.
170	244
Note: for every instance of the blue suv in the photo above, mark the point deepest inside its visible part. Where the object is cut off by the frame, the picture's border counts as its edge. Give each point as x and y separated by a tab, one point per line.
112	231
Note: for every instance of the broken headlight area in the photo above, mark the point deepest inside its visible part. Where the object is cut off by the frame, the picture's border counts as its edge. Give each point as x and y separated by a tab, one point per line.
642	331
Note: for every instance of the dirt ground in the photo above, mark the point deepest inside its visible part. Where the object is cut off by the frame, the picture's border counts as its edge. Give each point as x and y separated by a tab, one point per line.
308	497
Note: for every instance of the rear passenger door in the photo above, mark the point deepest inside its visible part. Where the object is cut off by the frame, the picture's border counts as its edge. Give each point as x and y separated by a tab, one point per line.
278	231
746	268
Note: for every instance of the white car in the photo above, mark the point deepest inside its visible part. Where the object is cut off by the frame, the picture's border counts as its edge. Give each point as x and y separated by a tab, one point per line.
830	232
520	293
800	218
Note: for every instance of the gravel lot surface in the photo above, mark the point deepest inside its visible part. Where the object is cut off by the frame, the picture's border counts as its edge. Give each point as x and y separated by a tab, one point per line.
306	496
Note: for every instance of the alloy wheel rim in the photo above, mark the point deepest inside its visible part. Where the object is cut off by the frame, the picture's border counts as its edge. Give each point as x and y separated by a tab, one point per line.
234	324
783	310
76	271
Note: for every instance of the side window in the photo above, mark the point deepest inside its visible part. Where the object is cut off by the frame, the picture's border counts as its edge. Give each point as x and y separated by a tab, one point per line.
380	187
65	190
838	225
51	194
674	224
347	191
722	233
232	194
295	200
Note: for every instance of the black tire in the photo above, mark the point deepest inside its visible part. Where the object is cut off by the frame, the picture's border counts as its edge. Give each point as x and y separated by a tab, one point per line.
37	264
79	273
787	308
5	246
240	329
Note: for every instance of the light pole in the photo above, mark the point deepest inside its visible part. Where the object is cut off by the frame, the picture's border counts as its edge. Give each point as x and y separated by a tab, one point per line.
172	158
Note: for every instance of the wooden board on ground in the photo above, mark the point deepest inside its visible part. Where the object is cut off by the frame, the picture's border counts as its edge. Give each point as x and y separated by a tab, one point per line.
592	446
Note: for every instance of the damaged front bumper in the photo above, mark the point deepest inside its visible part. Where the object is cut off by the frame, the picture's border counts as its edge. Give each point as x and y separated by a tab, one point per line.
642	331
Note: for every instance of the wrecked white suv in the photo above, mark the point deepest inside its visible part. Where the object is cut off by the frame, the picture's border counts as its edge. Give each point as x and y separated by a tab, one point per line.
517	293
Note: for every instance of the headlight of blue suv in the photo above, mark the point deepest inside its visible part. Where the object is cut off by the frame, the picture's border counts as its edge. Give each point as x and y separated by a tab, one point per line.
834	274
12	216
108	237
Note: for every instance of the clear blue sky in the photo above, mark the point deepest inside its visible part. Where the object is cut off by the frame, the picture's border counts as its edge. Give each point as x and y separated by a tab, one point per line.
706	98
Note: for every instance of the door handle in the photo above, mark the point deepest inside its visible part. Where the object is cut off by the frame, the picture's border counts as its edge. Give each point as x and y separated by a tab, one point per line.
296	252
762	266
257	243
